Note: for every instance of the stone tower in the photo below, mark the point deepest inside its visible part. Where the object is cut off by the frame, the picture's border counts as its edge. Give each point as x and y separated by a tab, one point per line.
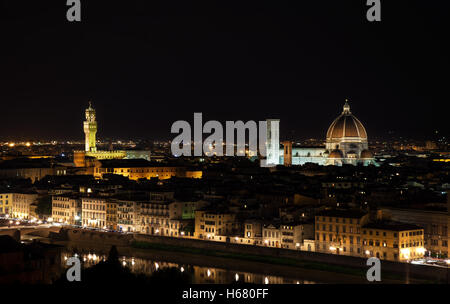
287	153
90	129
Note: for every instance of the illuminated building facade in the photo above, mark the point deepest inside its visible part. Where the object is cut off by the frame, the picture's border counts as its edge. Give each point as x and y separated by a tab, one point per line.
112	215
93	212
137	168
127	215
66	210
436	226
17	205
352	233
5	203
210	224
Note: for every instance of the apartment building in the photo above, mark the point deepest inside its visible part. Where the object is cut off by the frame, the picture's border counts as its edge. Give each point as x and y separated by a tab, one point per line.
66	209
347	232
111	215
436	228
94	212
393	241
210	223
128	215
339	231
17	204
288	235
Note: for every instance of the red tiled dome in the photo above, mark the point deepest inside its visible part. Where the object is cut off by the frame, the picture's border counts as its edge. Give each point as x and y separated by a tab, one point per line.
346	125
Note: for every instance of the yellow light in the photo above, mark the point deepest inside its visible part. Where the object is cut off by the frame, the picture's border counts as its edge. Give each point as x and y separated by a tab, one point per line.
11	145
405	252
420	250
367	252
27	144
332	248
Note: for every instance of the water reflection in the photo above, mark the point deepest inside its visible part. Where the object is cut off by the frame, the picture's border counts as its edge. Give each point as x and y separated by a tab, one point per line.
200	274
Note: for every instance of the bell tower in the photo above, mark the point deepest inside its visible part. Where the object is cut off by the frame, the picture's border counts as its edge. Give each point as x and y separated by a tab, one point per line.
90	129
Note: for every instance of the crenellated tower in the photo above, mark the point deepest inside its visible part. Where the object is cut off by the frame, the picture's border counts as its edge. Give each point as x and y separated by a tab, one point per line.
90	129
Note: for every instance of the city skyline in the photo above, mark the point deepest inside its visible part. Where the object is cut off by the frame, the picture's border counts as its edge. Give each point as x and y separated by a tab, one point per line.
243	143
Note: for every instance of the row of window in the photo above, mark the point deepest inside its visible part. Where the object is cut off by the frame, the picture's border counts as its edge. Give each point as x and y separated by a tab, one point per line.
339	220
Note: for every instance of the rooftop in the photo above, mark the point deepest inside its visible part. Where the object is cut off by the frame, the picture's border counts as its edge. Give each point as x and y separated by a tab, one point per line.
132	163
351	213
392	226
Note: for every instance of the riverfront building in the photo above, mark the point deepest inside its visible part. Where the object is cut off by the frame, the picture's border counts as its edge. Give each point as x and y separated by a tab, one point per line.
345	232
17	204
66	209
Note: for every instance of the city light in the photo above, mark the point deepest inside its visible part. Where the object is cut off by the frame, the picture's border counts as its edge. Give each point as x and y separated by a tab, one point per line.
420	250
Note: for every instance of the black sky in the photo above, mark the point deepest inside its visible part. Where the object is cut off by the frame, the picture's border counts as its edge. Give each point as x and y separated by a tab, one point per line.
146	64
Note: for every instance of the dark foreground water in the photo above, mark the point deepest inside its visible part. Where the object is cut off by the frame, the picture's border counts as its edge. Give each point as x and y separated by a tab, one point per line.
199	274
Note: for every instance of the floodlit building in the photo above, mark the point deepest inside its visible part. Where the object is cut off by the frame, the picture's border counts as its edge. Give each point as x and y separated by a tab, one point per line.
393	241
289	235
351	232
139	168
94	212
5	203
210	224
17	204
66	209
435	224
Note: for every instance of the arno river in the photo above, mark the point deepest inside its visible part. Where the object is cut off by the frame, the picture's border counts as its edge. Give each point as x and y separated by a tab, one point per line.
199	274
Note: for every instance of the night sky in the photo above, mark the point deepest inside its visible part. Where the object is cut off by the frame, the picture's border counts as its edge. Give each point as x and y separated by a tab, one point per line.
146	64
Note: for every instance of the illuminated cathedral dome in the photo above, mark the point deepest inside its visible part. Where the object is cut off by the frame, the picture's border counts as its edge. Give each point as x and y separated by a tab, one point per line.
346	140
346	125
